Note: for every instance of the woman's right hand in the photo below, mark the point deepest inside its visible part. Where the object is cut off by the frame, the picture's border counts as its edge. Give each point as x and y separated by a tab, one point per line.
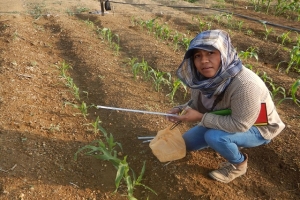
173	111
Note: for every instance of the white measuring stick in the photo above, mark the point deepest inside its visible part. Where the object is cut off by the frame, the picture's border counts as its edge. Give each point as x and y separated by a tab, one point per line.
138	111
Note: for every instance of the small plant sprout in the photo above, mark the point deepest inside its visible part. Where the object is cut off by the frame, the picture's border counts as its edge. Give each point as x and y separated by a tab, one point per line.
106	151
267	31
176	85
95	125
176	40
293	92
116	45
186	42
284	37
145	68
136	67
159	78
240	25
82	107
89	23
249	53
64	68
249	32
218	18
294	61
201	24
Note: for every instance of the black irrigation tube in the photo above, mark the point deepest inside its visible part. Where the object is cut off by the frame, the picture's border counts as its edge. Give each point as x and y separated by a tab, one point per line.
219	10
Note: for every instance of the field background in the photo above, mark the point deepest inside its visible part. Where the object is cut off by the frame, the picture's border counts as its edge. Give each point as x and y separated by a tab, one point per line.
50	49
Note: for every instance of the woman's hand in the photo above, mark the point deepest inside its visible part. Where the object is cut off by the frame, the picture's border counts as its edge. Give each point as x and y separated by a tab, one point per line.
189	115
173	111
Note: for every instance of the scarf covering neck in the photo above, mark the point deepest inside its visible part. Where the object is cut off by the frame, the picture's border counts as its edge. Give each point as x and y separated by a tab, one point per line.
231	65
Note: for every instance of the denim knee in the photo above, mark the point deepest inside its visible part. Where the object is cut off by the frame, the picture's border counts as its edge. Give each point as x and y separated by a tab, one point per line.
214	136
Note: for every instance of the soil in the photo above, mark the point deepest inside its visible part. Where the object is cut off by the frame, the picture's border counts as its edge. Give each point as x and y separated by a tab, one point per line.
40	133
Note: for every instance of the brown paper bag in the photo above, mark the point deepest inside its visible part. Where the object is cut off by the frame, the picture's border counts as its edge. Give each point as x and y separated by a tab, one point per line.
168	145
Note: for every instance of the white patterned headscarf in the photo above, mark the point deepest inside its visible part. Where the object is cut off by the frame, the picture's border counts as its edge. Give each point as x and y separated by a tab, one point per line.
231	65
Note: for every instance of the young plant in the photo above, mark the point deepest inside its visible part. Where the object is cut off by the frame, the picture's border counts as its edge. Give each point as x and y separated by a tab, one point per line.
136	67
89	23
145	69
249	32
105	150
176	85
186	42
240	25
70	83
116	45
150	25
82	107
201	24
294	60
96	125
293	92
176	40
159	78
267	31
64	68
284	37
249	53
218	18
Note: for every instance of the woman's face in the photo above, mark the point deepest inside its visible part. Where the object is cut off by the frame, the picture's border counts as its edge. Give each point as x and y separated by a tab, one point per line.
207	62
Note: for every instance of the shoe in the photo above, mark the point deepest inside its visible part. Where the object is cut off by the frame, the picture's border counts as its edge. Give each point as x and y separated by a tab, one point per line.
229	171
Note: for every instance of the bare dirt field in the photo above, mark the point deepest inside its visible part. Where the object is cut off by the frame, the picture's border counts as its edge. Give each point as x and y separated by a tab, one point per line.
42	125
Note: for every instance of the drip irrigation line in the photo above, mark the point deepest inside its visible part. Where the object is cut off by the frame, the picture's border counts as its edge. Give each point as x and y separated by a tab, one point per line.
219	10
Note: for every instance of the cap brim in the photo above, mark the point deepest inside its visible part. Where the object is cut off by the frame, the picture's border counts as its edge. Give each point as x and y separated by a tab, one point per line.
190	52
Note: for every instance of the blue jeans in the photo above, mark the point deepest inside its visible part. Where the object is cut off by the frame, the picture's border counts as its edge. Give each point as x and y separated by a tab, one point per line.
226	144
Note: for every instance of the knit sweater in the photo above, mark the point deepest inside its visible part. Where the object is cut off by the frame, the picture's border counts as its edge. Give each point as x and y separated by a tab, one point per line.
243	96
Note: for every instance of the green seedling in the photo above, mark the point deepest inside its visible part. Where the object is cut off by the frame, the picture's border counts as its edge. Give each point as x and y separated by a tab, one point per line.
166	33
218	18
250	32
186	42
176	40
64	68
136	67
201	24
284	37
116	45
240	25
70	84
81	10
149	24
249	53
176	85
294	61
89	23
159	78
293	92
96	125
82	107
158	31
105	150
267	31
229	19
145	68
131	61
37	11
